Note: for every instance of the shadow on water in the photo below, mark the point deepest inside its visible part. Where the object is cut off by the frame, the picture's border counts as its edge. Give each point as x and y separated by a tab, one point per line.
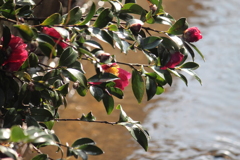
186	123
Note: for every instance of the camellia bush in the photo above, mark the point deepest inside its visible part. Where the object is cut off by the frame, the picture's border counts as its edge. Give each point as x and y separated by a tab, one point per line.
41	60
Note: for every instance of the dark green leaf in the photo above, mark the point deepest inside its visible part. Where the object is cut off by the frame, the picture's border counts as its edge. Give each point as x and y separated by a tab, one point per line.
89	117
116	92
89	15
6	36
151	88
32	60
189	65
63	89
41	114
104	18
12	118
82	154
179	27
108	103
68	57
31	122
82	91
75	75
141	136
91	149
47	49
82	141
25	31
137	85
105	77
96	92
179	75
73	16
190	72
199	52
132	8
189	49
150	42
102	35
52	20
130	1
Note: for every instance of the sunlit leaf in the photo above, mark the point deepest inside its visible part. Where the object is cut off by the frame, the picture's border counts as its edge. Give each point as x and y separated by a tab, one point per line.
179	27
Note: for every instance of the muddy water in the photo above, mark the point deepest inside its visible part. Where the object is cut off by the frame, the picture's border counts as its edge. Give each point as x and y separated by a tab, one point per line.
188	123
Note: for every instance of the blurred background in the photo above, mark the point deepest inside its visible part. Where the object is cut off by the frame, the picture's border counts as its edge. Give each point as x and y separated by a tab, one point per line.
185	123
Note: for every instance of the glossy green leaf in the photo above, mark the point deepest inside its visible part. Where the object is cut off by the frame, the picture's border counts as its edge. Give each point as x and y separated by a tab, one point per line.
105	77
137	85
141	136
132	8
96	92
182	77
116	92
12	118
41	114
116	5
25	31
64	89
179	27
17	134
104	18
25	2
91	149
32	122
47	49
52	20
108	103
151	88
82	91
193	74
163	20
89	15
68	57
199	52
33	60
189	65
150	42
9	152
41	157
73	16
159	90
75	75
46	38
102	35
82	141
93	44
149	18
189	49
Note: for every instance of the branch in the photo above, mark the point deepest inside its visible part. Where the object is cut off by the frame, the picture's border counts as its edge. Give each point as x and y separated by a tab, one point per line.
79	119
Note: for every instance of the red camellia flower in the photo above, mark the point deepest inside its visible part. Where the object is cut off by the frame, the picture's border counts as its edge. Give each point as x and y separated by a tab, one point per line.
192	34
18	54
121	73
56	36
175	59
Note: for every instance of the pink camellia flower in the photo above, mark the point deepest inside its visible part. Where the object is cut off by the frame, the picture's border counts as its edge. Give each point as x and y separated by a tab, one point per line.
192	34
56	36
123	75
18	54
175	59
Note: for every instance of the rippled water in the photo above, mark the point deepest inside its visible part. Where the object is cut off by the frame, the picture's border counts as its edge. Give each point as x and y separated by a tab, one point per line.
202	122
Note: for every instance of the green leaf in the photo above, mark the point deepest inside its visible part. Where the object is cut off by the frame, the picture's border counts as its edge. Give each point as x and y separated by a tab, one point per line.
49	124
151	88
132	8
41	114
82	141
6	36
73	16
25	2
47	49
105	77
91	149
199	52
17	134
137	85
108	103
41	157
32	122
150	42
89	117
182	77
52	20
189	65
9	152
12	117
25	31
149	18
89	15
64	89
141	136
33	60
159	90
189	49
102	35
68	57
76	75
82	91
191	73
116	92
96	92
179	27
104	18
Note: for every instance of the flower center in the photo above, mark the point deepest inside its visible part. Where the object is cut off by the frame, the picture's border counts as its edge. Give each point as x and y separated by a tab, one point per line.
113	70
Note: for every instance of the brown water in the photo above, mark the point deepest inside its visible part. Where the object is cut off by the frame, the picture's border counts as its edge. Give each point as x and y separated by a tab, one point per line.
187	123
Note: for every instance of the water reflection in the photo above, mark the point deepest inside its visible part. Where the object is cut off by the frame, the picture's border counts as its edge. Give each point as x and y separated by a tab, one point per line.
202	122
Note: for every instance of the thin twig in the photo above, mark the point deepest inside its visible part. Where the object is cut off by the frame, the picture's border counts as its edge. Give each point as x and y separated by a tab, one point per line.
78	119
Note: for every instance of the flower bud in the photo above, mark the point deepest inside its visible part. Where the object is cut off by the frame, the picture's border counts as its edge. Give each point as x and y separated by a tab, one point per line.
153	8
135	28
192	34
